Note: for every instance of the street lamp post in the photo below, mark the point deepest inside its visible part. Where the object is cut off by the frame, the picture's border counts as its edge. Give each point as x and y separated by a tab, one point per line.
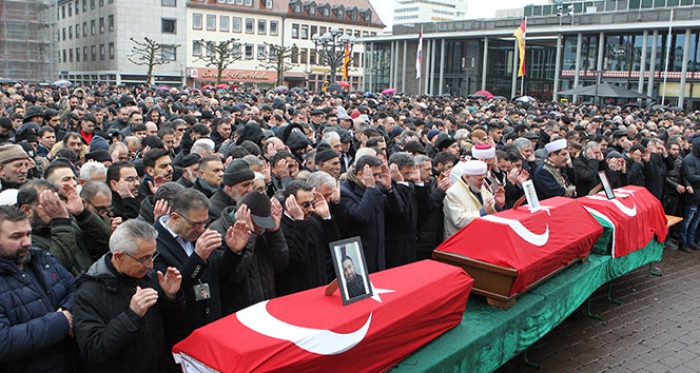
331	46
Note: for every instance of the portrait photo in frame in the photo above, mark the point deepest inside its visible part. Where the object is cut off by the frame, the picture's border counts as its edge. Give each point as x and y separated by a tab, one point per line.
532	201
606	185
351	270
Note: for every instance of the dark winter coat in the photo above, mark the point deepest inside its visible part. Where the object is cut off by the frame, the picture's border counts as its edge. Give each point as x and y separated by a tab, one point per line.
430	222
219	201
112	338
691	173
33	336
587	174
401	231
127	208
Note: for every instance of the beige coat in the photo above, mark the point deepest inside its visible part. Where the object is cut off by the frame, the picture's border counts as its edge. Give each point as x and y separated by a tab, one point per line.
461	206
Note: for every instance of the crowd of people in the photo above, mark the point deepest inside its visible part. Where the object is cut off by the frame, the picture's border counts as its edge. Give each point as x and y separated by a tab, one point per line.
130	216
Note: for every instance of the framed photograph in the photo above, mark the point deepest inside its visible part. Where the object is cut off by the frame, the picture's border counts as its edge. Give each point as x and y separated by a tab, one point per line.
606	185
351	270
532	201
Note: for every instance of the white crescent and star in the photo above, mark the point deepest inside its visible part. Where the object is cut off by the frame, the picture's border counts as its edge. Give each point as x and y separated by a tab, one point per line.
519	229
318	341
625	210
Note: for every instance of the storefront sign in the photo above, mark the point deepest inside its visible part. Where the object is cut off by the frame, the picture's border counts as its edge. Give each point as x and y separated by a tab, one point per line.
233	74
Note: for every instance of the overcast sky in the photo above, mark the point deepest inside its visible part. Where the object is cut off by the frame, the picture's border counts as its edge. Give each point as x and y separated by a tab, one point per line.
477	8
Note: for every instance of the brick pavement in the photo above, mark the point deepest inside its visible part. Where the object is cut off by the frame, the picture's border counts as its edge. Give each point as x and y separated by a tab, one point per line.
656	329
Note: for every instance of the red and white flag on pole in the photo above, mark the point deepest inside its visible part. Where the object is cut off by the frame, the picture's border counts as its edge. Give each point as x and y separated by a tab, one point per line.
419	53
520	35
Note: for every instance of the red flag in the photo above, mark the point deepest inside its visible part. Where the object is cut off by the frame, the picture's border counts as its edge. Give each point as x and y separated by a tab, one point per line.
312	332
520	35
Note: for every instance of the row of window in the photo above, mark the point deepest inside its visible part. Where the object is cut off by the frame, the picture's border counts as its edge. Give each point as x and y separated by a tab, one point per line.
325	10
168	53
299	55
67	9
235	24
306	31
63	35
67	54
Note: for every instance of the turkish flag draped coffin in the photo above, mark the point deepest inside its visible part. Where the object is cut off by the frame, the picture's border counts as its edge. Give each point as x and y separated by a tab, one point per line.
312	332
534	244
636	215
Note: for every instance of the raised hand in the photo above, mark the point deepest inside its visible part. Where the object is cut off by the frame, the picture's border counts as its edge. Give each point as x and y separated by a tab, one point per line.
276	212
74	204
170	282
207	242
157	182
114	223
367	177
52	205
395	174
321	206
293	209
161	208
500	197
124	189
237	236
142	300
385	179
243	214
444	184
282	168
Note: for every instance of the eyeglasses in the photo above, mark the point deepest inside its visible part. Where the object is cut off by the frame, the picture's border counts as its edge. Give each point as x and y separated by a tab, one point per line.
130	179
200	224
100	209
144	260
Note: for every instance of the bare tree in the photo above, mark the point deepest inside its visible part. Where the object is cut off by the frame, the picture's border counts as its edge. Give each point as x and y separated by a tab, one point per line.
277	59
218	55
150	53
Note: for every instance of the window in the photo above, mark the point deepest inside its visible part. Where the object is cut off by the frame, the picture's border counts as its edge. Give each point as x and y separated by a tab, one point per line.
102	25
102	52
84	6
70	33
356	59
339	11
273	28
223	23
77	30
249	51
102	3
262	26
85	55
312	57
168	26
85	29
239	2
196	48
295	31
169	53
63	12
303	57
295	54
77	11
211	48
93	52
249	2
111	51
314	30
236	49
93	29
110	22
77	54
304	31
236	26
64	34
261	51
168	3
268	4
325	10
92	4
211	22
357	34
70	51
70	14
311	8
64	56
323	30
249	25
196	21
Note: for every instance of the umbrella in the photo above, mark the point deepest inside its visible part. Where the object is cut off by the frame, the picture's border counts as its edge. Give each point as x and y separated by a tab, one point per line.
7	81
334	87
222	86
485	94
208	86
164	88
659	107
604	90
389	91
498	98
298	90
62	82
677	109
281	89
525	99
344	84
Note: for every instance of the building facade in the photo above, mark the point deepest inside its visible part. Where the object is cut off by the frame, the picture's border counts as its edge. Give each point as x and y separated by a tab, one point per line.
94	40
258	24
423	11
652	47
27	44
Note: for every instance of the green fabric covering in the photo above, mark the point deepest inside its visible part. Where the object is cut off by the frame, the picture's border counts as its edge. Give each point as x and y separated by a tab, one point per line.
488	336
604	244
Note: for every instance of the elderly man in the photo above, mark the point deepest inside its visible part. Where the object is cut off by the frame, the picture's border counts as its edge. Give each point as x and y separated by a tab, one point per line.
548	178
236	182
210	175
97	197
37	301
122	305
469	198
586	167
14	165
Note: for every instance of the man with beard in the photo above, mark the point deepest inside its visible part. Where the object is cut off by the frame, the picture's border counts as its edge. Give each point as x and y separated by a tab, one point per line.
354	283
189	169
37	302
14	165
237	181
97	197
124	182
549	179
327	160
159	170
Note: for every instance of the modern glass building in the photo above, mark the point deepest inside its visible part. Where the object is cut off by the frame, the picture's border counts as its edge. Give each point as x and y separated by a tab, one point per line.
648	46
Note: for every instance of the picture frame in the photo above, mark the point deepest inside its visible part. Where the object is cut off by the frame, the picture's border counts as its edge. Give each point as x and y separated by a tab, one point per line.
606	185
349	257
531	195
